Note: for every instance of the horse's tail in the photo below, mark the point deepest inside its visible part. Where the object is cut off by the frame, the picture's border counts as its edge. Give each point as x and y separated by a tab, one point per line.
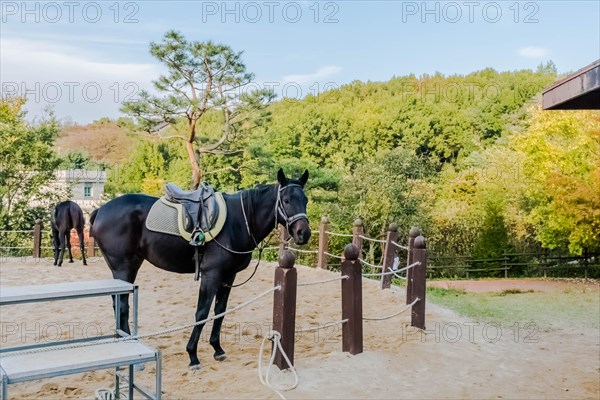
92	218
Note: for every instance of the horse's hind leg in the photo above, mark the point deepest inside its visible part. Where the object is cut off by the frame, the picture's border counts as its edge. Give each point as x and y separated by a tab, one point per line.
220	307
62	243
208	290
81	246
68	242
55	245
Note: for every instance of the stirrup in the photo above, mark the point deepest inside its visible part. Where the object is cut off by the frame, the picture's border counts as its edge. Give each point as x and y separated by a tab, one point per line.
198	237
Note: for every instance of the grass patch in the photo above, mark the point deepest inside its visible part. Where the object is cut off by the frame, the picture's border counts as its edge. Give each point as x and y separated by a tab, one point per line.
556	310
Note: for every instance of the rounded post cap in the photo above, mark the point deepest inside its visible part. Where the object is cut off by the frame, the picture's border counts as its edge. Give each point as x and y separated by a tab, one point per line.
38	221
358	222
287	259
419	243
324	219
414	232
393	227
351	252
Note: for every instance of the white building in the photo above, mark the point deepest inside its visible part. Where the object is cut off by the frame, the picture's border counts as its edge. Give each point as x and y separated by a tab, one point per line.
87	186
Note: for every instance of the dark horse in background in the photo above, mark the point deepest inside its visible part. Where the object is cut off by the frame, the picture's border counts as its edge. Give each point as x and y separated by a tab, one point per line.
67	215
120	231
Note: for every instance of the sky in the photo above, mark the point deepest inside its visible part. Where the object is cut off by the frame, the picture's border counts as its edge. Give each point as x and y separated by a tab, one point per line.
84	58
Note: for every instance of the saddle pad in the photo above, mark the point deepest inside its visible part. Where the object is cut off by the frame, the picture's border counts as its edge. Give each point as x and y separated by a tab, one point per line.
166	217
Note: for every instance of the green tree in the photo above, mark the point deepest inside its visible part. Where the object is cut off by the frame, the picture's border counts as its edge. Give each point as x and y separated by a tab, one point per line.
28	164
203	78
561	162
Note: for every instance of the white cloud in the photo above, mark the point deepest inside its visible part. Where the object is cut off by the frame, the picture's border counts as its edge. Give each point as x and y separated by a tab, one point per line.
320	74
70	78
533	52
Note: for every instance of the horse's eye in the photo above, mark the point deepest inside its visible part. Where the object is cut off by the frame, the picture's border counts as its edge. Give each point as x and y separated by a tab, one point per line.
286	201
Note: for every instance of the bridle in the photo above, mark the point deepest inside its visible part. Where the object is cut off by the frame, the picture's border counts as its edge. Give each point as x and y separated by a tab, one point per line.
280	210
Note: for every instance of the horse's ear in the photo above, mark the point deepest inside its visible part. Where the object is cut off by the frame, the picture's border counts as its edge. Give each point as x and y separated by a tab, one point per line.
281	177
304	178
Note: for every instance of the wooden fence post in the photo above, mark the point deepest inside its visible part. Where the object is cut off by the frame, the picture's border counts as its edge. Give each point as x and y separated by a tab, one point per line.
412	234
37	239
352	330
283	238
358	231
284	307
323	243
418	283
388	256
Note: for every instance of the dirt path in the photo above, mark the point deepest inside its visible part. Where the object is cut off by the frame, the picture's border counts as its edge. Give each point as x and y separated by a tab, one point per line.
454	358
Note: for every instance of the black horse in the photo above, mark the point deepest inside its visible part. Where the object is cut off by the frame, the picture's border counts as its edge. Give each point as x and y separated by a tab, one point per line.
120	231
67	215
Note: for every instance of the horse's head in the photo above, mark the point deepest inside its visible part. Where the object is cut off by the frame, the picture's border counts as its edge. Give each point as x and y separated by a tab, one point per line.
291	206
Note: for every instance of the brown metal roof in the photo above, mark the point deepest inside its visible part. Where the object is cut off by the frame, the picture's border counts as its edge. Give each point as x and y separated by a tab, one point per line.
578	91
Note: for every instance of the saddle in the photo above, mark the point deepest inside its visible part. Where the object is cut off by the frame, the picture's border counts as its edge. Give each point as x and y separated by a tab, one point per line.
197	216
200	206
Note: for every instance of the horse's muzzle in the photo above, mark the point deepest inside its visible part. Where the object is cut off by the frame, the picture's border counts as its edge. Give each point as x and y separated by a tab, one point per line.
300	231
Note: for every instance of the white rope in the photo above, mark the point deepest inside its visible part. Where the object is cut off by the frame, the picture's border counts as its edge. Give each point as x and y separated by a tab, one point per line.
339	234
319	327
395	314
339	278
409	266
380	273
333	255
370	239
276	338
302	251
136	337
399	276
104	394
369	264
394	272
399	245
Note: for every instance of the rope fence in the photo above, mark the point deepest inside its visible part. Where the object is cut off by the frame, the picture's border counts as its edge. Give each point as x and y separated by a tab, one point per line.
339	234
371	239
399	246
369	264
332	255
324	281
393	315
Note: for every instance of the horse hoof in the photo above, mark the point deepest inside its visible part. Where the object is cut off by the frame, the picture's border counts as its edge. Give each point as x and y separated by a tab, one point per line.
84	263
195	367
70	261
220	357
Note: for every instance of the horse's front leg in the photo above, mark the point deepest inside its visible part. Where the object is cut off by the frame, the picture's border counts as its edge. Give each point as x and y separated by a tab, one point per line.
220	307
122	314
208	289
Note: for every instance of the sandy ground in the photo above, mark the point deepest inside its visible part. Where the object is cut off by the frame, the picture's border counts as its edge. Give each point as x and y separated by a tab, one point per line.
454	358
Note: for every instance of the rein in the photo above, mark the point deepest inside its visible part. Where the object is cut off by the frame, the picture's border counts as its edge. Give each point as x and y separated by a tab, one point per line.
279	210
